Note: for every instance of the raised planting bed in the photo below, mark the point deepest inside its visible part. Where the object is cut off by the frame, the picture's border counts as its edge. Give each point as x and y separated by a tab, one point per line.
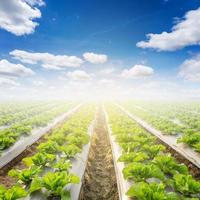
11	153
170	140
122	184
51	172
147	165
10	135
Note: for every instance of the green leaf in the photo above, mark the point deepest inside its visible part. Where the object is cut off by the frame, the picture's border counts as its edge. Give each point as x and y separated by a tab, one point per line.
140	172
2	191
186	185
62	165
70	150
25	175
74	179
169	165
36	184
50	147
14	193
151	191
133	157
56	181
65	195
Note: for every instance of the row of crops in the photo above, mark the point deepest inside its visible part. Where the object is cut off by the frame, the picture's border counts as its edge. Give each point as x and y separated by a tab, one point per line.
151	170
10	118
47	173
47	169
31	117
182	120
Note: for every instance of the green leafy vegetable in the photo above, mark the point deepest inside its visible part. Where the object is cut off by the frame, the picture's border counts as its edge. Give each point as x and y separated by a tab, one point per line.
140	172
50	147
54	182
151	191
186	185
169	166
14	193
133	157
70	150
62	165
40	159
25	175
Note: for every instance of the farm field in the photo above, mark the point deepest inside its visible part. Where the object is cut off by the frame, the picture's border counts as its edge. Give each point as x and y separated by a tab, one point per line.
16	122
99	151
100	100
182	120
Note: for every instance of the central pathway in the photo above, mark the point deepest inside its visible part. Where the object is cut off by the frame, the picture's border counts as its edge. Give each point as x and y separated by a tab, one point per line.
99	180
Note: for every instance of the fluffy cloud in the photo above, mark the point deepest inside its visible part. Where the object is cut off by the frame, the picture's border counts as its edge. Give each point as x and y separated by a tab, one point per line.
107	71
186	32
16	16
7	82
35	2
107	82
11	69
190	69
79	75
137	71
38	83
49	61
95	58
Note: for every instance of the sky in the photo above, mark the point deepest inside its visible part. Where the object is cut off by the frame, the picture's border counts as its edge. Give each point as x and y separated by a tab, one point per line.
103	49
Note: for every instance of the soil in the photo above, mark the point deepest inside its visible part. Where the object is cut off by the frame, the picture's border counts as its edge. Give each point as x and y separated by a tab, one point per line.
99	181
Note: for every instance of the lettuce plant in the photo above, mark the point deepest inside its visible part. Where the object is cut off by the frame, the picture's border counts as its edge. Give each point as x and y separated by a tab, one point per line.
169	166
153	150
62	165
15	192
151	191
70	150
59	138
6	141
40	159
50	147
141	172
133	157
25	175
186	185
54	183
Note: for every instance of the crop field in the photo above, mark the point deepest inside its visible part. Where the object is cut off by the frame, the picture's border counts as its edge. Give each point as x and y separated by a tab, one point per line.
62	150
100	100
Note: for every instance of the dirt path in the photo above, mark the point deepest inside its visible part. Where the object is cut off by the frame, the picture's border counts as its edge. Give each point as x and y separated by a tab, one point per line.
99	180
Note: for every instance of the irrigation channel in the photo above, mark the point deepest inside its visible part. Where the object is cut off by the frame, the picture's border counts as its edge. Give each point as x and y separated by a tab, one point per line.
99	181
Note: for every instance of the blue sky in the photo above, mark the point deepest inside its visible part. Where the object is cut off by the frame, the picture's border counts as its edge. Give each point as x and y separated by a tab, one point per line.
108	28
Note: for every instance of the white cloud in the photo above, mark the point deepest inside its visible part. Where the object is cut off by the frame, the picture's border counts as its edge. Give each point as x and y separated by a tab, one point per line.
79	75
38	83
48	61
7	82
190	69
35	2
11	69
107	82
95	58
137	71
186	32
107	71
16	16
